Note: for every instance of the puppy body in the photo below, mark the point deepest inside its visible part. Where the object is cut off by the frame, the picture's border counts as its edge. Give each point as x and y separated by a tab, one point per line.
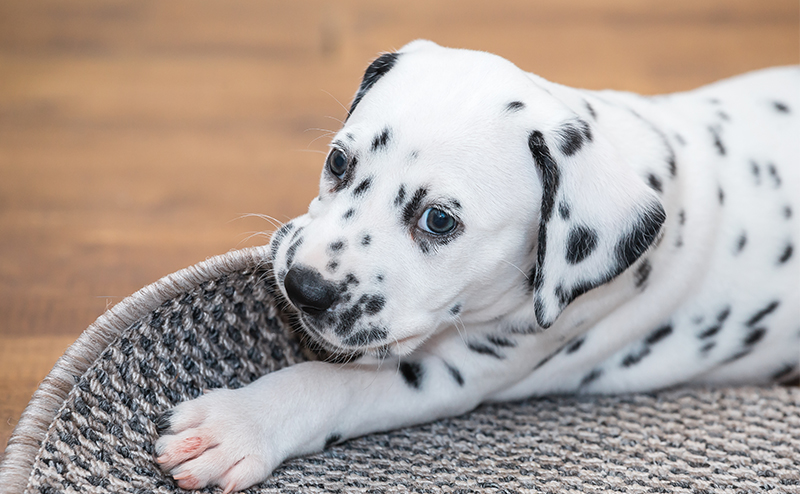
483	234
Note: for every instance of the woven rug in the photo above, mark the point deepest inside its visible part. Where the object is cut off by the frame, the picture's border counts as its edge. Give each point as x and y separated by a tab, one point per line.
90	427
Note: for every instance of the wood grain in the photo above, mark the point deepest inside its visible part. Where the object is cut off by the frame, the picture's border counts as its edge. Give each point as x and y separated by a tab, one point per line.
134	136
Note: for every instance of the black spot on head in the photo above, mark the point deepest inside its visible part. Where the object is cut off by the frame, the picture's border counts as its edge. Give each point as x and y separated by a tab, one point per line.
348	214
332	439
401	196
515	106
642	273
455	310
682	217
714	101
721	195
717	140
724	116
575	345
563	210
372	303
362	187
366	337
679	138
381	140
347	319
659	334
379	278
635	242
773	172
574	136
350	279
500	341
483	349
741	242
590	109
350	136
412	373
787	254
580	244
331	267
761	314
412	207
366	240
455	374
377	69
780	107
787	211
278	238
655	183
337	246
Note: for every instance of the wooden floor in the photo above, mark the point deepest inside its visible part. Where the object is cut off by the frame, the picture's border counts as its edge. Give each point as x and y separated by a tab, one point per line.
136	136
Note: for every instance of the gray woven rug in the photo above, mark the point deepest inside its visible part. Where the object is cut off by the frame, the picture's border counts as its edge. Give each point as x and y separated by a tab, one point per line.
90	427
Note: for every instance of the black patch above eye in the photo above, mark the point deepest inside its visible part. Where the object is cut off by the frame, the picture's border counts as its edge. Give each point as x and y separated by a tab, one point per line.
337	163
382	139
515	106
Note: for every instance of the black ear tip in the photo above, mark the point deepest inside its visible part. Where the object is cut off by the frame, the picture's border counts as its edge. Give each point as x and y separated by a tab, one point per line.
541	317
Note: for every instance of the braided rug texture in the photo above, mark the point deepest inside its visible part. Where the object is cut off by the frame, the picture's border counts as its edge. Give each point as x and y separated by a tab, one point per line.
222	325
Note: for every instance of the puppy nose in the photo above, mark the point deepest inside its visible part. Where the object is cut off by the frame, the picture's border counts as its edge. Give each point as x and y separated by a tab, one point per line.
308	291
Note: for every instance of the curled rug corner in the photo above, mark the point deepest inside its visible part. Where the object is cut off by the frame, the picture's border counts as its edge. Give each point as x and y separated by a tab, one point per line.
91	425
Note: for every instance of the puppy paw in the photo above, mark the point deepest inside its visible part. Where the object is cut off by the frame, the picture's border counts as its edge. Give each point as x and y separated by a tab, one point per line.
217	439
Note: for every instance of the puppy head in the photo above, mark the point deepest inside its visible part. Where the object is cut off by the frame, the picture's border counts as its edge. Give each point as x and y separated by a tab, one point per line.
436	204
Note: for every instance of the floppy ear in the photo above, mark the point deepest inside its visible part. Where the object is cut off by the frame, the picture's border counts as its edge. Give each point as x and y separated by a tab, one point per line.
597	216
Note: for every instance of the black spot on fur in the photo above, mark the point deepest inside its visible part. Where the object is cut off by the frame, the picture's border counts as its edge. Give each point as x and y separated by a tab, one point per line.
484	349
741	242
724	116
590	109
278	237
550	183
373	303
780	107
455	374
164	421
401	196
377	69
515	106
773	172
787	212
680	139
412	207
784	372
717	140
412	373
348	214
655	183
331	267
347	320
682	217
714	101
642	273
381	140
581	243
573	137
712	330
455	310
362	187
756	171
366	337
332	439
659	334
672	165
787	254
758	316
350	279
707	347
591	377
500	341
721	195
292	250
755	336
737	356
635	357
337	246
563	210
575	345
366	240
634	243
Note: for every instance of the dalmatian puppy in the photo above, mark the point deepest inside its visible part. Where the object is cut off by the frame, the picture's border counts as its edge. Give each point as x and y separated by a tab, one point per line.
482	234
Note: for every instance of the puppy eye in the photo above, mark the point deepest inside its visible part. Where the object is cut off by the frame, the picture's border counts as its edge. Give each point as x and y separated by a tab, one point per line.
436	221
337	163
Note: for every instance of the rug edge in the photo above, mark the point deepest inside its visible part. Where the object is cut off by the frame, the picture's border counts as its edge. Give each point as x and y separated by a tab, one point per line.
30	431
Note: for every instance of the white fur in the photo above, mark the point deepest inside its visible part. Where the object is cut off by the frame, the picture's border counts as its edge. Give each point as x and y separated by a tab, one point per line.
452	134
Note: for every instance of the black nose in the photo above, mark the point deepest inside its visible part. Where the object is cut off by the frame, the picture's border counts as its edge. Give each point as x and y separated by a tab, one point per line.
308	291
